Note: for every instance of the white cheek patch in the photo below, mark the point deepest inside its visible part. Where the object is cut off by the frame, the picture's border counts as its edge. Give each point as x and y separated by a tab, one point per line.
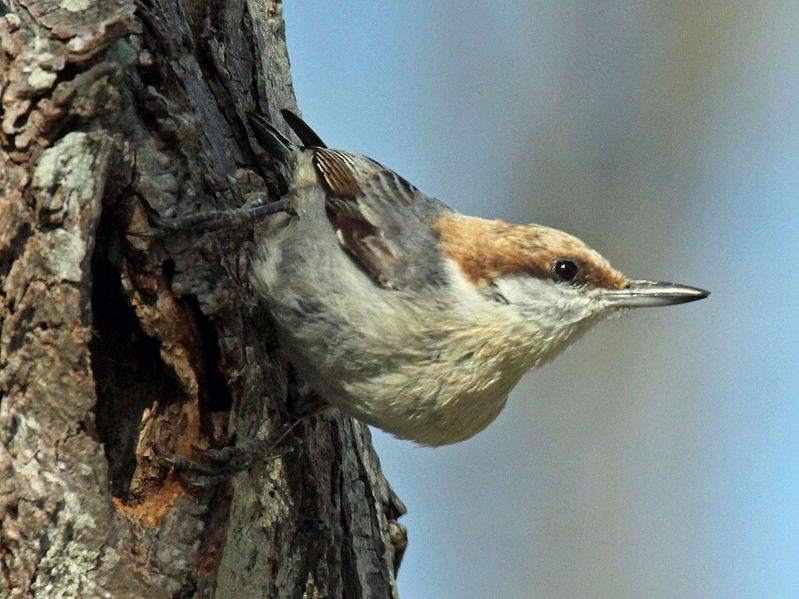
469	299
546	302
460	285
530	291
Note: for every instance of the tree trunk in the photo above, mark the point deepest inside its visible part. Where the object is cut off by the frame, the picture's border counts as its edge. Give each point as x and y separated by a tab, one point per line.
111	343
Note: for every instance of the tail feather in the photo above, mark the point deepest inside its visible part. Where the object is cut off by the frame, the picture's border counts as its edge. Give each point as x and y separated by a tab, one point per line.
307	136
272	140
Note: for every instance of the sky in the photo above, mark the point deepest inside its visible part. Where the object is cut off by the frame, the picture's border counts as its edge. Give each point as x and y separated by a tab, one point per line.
659	457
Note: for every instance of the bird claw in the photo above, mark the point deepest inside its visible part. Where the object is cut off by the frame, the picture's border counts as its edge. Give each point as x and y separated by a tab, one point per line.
214	220
184	464
221	464
203	482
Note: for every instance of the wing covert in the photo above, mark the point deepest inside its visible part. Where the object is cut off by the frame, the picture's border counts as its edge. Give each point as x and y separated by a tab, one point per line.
381	220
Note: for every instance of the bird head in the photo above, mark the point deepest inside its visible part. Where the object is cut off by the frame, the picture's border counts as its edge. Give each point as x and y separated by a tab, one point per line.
548	285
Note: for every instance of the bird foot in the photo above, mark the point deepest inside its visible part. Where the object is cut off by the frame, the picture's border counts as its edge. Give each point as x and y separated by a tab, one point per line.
214	220
221	464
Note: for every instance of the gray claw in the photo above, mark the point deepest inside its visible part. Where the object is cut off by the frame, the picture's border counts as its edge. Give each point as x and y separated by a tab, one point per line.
182	463
222	463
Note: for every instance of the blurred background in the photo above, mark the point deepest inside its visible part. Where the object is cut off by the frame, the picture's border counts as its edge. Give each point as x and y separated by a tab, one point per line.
659	457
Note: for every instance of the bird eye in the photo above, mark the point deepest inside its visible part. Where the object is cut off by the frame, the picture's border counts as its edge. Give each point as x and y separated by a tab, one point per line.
564	269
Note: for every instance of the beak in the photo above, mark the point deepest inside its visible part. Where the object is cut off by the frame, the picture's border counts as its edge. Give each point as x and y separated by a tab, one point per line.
646	294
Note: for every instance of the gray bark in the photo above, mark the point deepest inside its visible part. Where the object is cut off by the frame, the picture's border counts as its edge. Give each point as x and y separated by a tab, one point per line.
112	343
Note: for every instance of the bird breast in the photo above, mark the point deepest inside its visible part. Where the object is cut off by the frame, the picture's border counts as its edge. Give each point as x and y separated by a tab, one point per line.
421	366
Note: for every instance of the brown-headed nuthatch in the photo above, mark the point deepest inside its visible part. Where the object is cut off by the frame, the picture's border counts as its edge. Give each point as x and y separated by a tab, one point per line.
402	312
408	315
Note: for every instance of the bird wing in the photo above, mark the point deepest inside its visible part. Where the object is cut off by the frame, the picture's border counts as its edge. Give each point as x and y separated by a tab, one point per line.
381	220
308	137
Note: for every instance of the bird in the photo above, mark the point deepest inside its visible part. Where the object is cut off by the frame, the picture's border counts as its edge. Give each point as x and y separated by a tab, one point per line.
408	315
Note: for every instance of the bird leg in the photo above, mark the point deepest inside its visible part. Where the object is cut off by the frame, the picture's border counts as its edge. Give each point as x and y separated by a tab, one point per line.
213	220
221	464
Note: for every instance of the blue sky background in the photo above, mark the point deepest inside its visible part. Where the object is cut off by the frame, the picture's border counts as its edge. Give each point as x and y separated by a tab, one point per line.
660	456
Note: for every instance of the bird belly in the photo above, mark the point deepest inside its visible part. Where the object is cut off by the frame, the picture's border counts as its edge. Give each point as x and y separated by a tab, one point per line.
429	402
416	370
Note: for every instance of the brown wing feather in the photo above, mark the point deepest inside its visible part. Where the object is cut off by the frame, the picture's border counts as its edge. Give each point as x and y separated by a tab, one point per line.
363	241
337	171
380	219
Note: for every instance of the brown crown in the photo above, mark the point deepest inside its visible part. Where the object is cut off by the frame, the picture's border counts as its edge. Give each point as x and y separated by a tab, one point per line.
489	249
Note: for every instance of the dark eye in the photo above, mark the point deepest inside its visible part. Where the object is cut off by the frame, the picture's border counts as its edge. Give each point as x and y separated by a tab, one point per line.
564	269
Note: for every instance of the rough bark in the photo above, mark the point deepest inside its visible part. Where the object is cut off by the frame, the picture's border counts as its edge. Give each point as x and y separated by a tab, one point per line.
111	343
